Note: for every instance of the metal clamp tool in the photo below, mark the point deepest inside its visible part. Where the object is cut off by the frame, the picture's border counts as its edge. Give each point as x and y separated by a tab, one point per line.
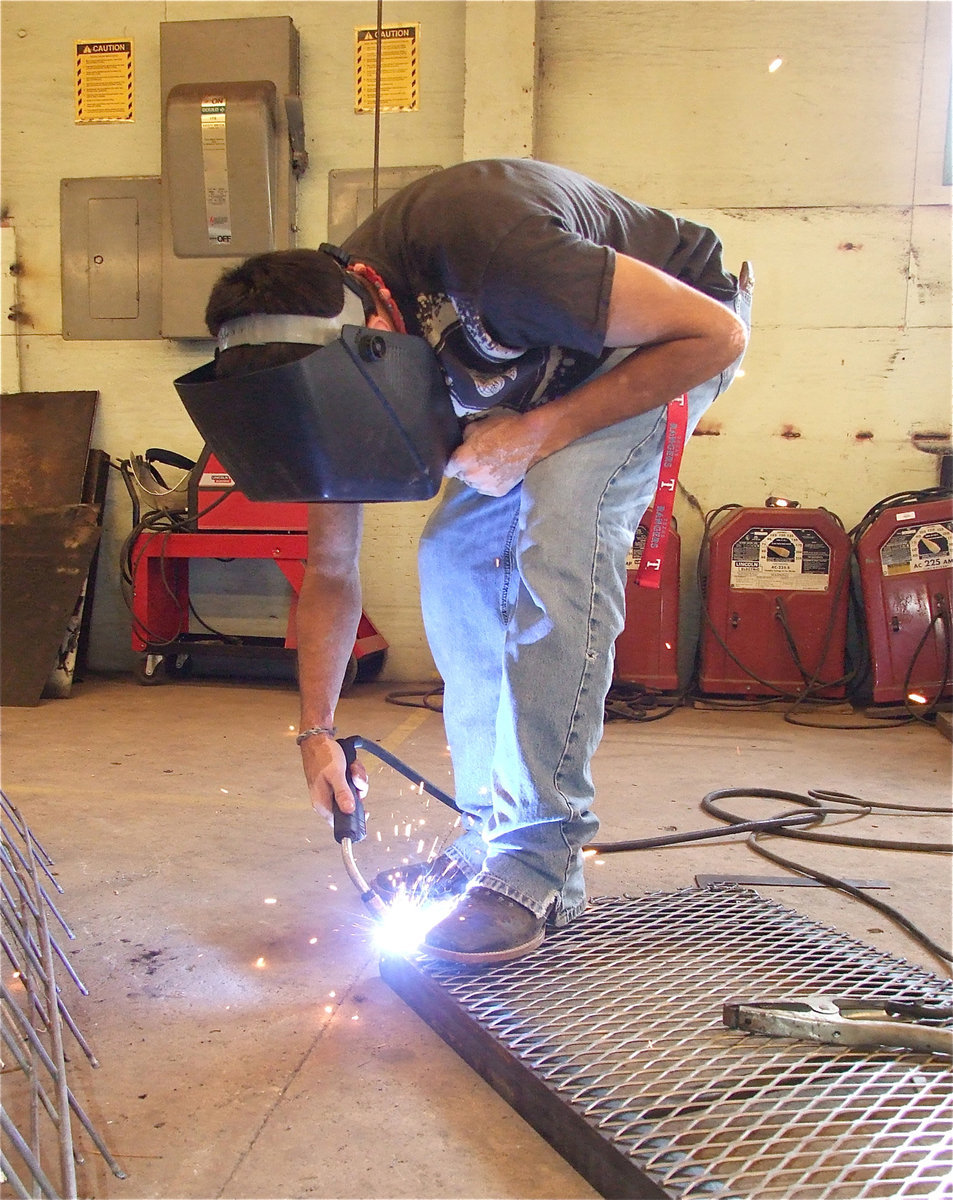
846	1021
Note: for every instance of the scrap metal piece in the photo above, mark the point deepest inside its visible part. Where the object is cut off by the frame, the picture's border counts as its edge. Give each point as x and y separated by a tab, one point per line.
609	1041
756	881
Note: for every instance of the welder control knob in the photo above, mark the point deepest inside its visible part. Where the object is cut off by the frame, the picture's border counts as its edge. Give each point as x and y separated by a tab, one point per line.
371	347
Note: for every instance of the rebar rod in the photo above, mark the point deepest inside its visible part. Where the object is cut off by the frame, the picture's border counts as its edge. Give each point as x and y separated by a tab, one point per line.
27	1155
70	970
35	964
67	1163
36	1041
26	1067
6	847
16	817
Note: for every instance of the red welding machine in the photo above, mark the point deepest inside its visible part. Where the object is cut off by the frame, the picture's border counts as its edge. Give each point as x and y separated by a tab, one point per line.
216	503
905	562
774	618
646	651
222	523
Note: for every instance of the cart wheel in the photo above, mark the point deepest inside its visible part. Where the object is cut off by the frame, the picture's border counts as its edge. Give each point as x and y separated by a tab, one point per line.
146	669
350	675
179	666
370	666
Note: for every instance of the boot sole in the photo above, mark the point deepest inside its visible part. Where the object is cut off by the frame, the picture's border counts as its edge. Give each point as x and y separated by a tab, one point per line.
485	958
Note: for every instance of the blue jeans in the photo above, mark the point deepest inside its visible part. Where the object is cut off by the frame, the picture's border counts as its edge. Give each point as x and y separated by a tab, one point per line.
523	597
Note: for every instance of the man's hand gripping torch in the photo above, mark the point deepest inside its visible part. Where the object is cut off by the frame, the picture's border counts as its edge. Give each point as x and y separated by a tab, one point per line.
350	828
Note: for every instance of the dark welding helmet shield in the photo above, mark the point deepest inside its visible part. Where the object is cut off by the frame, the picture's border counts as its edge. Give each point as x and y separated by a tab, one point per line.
365	418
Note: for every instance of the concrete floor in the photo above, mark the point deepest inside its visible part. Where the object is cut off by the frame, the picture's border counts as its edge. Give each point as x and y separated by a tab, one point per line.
248	1045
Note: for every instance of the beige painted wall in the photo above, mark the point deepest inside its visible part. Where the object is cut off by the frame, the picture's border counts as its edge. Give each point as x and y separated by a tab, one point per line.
827	174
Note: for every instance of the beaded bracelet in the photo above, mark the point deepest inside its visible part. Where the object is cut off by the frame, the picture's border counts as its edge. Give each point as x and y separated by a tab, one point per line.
315	729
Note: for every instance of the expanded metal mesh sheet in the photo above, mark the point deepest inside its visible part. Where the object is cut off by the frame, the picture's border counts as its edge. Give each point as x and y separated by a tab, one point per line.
609	1039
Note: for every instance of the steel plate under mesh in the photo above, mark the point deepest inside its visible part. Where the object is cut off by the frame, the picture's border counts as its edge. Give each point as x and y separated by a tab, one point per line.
609	1041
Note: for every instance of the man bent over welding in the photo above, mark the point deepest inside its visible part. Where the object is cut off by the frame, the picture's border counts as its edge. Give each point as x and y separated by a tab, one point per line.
564	317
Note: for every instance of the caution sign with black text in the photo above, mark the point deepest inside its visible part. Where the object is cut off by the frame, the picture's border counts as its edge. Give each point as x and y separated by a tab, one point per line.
104	81
398	74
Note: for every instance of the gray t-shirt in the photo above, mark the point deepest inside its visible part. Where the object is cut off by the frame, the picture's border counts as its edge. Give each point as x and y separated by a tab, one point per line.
505	266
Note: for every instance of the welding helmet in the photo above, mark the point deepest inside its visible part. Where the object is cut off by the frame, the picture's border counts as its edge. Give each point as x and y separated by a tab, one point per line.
365	416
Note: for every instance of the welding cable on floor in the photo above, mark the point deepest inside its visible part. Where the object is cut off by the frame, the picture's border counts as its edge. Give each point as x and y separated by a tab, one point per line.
815	801
636	702
819	805
625	701
769	824
430	698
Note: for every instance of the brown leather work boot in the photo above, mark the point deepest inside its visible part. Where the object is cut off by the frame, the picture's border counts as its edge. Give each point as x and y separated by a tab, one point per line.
485	927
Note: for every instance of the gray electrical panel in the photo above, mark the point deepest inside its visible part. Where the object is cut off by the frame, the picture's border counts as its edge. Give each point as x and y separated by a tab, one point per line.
351	194
232	148
109	244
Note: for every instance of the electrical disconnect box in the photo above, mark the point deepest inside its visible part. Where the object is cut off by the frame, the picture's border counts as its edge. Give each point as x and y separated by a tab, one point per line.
232	150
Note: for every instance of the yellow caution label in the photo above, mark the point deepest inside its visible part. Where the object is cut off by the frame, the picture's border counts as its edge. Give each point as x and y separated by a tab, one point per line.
105	87
398	69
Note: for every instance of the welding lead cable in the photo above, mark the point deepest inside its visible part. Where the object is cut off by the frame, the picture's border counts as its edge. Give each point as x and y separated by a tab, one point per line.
941	617
813	800
414	699
898	500
841	885
811	683
164	523
768	825
361	743
774	693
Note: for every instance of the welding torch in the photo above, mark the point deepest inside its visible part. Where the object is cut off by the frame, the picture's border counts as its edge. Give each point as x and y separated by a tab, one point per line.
351	828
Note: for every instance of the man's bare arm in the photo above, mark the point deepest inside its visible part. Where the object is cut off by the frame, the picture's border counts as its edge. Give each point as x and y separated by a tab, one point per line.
329	610
683	337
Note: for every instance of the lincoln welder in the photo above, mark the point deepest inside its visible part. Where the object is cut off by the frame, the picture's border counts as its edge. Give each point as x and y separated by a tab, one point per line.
574	337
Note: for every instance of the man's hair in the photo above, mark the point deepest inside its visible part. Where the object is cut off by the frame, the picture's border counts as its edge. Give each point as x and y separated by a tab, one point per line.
307	282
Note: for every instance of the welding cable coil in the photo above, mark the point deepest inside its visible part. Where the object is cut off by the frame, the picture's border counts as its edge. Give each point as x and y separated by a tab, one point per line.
852	805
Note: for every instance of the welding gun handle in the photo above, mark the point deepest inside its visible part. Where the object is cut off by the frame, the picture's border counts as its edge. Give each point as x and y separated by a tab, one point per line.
349	825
